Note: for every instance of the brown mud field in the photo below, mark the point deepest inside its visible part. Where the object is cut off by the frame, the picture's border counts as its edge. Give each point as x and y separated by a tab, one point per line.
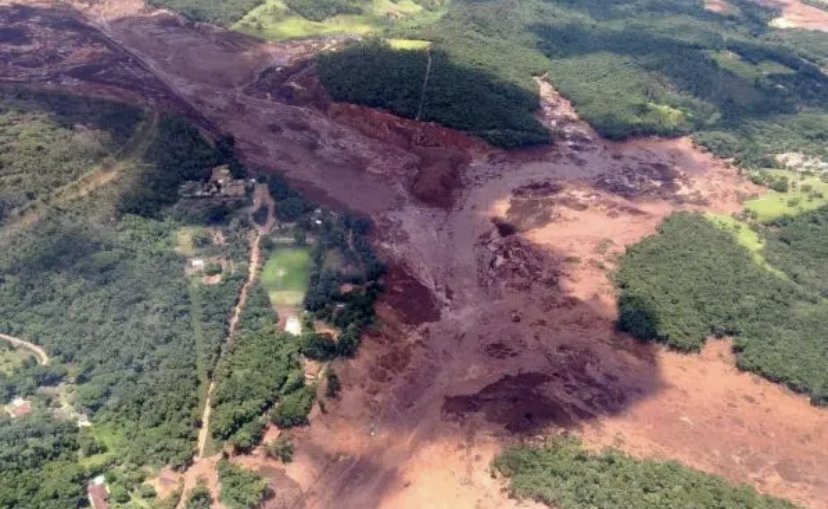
798	14
498	322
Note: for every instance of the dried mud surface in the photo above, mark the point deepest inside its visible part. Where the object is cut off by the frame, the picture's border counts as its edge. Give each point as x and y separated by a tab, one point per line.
498	321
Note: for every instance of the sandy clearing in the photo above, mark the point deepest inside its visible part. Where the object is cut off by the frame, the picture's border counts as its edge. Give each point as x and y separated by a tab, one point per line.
718	6
796	14
713	417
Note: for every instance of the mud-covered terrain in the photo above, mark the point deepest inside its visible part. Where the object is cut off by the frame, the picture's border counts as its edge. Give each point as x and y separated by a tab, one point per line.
498	318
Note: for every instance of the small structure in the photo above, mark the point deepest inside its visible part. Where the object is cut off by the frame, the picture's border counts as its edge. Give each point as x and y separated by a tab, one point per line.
97	493
197	264
293	325
18	407
220	185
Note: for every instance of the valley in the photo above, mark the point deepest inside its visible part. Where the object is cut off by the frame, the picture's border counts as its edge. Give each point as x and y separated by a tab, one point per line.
497	321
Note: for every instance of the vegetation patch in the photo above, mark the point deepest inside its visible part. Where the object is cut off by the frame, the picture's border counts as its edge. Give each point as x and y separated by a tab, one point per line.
563	474
240	488
412	44
799	194
38	463
746	236
645	67
13	359
734	63
287	19
219	12
285	275
260	369
693	280
798	245
50	140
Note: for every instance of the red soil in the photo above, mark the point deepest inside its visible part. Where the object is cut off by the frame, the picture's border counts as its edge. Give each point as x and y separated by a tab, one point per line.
499	319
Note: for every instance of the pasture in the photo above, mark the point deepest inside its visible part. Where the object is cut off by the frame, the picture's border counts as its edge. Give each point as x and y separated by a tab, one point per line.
285	275
806	193
274	19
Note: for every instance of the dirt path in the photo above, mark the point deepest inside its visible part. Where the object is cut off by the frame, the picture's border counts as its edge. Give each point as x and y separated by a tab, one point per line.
91	181
38	351
205	467
425	85
253	267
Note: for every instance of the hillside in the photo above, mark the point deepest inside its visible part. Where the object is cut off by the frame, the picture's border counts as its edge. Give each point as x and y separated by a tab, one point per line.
396	253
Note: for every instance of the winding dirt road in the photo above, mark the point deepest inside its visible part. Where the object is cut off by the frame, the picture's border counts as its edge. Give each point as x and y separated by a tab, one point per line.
38	352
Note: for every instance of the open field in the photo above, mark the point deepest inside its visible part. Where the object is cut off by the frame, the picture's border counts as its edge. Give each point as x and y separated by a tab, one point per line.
806	193
746	237
285	275
274	19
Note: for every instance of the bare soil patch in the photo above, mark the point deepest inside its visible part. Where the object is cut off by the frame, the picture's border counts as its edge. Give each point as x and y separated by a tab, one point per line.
718	6
796	14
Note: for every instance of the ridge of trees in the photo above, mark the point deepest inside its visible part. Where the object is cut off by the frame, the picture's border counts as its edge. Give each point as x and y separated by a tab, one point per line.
692	281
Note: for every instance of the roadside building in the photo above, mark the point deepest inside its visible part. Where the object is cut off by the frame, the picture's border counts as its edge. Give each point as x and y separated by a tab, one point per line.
18	407
96	491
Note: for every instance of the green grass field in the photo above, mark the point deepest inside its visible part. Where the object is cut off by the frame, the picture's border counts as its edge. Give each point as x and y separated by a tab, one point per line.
285	275
732	62
806	193
412	44
746	237
275	20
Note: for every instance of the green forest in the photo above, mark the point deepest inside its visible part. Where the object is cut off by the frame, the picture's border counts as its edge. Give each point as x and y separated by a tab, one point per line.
692	281
643	67
49	140
563	474
98	281
631	68
38	463
240	488
461	97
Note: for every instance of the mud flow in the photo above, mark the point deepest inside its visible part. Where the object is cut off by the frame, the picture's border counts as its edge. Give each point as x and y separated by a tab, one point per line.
497	323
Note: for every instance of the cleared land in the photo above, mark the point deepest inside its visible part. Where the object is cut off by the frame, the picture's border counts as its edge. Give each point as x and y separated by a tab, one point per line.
275	19
285	275
806	193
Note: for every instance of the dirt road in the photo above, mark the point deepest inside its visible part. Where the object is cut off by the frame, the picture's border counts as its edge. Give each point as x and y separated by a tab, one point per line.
497	323
92	180
253	272
204	468
38	352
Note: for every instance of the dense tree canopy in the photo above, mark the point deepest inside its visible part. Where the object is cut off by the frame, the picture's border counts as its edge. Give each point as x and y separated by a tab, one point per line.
564	475
38	467
240	488
692	281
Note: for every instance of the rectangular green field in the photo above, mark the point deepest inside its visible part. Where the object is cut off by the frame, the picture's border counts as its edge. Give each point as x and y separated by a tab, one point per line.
285	275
